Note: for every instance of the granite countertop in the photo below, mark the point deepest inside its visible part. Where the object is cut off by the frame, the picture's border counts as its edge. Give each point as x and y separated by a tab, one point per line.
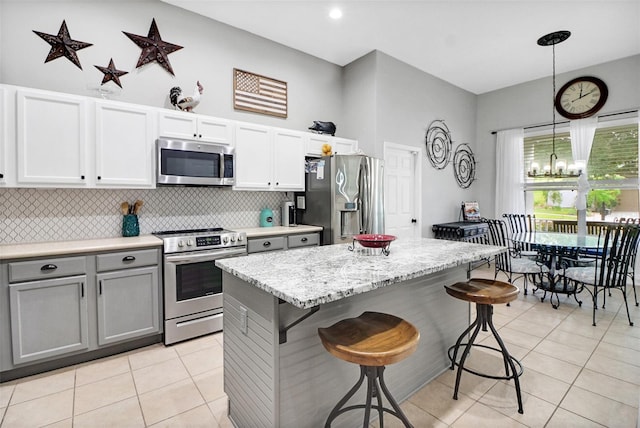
38	249
312	276
258	232
82	246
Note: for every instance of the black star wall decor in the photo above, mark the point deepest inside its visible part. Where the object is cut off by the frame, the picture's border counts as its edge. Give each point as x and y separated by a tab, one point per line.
63	45
154	48
111	73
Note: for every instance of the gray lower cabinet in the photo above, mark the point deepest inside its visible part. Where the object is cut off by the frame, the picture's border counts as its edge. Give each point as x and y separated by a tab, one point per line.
58	307
282	242
127	304
48	318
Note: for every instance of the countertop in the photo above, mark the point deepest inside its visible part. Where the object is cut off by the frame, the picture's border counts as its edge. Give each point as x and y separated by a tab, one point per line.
258	232
311	276
57	248
37	249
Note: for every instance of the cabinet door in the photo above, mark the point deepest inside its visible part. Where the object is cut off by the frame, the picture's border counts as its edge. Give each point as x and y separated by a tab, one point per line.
124	145
128	304
343	146
214	130
288	160
177	125
48	318
51	138
6	134
254	157
315	142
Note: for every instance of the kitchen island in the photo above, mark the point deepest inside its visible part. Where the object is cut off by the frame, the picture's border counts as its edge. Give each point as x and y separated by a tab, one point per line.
277	374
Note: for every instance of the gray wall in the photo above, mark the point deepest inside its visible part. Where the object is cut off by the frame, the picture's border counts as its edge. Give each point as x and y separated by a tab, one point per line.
530	104
211	51
391	101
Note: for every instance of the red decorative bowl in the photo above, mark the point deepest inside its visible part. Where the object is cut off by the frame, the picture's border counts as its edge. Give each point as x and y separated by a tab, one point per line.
372	240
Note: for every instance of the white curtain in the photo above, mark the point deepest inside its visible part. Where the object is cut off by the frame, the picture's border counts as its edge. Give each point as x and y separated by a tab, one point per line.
582	132
510	172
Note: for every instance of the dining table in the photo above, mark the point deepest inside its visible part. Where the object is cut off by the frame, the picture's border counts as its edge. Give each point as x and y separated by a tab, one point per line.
557	251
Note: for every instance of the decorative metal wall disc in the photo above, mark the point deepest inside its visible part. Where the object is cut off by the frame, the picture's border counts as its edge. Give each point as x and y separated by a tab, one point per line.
464	166
438	142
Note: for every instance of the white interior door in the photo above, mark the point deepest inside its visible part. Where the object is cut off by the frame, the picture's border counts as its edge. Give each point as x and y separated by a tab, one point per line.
402	195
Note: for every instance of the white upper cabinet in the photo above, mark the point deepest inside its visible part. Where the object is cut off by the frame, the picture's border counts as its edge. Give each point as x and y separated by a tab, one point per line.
124	145
269	158
343	146
7	135
254	156
190	126
51	139
288	160
339	146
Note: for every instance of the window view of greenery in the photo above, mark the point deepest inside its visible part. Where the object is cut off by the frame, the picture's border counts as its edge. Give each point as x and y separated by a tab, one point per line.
612	172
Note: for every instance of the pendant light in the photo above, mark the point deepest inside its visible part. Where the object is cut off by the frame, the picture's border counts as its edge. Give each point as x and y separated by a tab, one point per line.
555	169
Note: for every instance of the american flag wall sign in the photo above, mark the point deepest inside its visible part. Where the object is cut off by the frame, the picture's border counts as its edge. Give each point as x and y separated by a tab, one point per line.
252	92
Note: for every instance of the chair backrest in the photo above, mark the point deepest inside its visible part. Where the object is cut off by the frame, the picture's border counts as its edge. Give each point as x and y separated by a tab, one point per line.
499	235
620	243
520	222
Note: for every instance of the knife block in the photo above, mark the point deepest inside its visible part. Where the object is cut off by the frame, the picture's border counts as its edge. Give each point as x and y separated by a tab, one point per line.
130	226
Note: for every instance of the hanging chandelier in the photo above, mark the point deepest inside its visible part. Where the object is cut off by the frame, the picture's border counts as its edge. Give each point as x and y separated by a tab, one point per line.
555	168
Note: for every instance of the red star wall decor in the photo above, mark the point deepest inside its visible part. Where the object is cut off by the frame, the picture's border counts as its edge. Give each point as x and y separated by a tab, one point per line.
111	73
154	48
63	45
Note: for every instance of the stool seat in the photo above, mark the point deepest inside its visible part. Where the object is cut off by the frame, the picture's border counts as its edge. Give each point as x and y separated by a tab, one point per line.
483	291
372	339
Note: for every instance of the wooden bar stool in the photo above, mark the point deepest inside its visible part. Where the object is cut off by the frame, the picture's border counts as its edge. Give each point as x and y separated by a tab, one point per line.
484	293
372	340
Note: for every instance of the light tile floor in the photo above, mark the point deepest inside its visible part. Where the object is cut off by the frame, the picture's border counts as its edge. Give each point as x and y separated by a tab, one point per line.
576	375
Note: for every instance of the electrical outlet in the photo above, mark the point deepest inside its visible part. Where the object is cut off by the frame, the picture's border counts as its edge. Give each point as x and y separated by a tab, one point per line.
244	318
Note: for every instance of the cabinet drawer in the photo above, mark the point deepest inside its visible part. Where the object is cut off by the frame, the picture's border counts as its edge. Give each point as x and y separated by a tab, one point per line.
266	244
306	240
46	268
126	259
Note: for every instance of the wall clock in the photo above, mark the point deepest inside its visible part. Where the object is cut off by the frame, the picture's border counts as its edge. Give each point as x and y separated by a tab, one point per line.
581	97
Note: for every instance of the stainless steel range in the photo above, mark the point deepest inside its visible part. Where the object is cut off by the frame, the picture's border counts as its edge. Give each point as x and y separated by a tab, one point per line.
192	281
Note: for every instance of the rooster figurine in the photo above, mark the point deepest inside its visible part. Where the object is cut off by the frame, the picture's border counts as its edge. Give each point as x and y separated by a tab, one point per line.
185	103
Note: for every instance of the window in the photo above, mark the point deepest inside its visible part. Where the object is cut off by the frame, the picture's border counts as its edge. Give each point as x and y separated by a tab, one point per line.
612	172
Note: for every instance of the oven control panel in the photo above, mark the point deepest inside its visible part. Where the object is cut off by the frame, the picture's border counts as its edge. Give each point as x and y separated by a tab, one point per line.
205	241
198	241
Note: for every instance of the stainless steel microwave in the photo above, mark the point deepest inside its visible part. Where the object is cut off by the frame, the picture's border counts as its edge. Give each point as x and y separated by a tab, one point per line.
194	163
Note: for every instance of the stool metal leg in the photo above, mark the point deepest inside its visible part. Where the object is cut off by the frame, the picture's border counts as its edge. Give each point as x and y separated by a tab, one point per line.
479	322
336	410
507	357
375	377
484	317
399	413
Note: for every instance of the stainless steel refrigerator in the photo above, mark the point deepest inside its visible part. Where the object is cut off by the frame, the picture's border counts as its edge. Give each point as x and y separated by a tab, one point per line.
345	195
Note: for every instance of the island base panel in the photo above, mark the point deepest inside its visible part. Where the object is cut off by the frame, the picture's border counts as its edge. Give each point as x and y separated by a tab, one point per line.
297	383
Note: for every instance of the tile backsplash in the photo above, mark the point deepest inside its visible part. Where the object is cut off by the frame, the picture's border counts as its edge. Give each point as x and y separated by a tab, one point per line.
32	215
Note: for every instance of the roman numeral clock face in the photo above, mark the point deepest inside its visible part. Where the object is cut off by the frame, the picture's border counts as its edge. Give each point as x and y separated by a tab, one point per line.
581	97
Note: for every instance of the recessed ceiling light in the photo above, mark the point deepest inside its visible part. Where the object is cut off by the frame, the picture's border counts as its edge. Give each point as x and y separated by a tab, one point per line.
335	13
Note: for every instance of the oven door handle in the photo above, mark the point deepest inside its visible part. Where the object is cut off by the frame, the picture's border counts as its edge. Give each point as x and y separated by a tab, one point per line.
194	258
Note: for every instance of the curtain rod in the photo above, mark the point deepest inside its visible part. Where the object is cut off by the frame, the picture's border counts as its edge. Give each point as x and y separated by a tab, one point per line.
566	121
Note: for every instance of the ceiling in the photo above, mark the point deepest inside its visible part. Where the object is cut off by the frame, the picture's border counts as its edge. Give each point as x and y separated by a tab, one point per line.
477	45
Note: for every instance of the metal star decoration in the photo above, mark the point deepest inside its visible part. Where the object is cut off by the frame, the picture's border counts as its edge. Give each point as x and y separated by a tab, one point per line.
154	48
63	45
111	73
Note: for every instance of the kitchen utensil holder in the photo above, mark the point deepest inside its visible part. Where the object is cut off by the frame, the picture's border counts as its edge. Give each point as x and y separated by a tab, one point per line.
130	226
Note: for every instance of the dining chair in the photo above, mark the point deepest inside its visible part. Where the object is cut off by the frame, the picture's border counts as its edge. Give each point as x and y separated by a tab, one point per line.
519	223
510	263
632	265
611	269
557	259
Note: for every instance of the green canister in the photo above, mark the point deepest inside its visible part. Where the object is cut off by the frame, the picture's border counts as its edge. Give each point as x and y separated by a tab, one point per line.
266	218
